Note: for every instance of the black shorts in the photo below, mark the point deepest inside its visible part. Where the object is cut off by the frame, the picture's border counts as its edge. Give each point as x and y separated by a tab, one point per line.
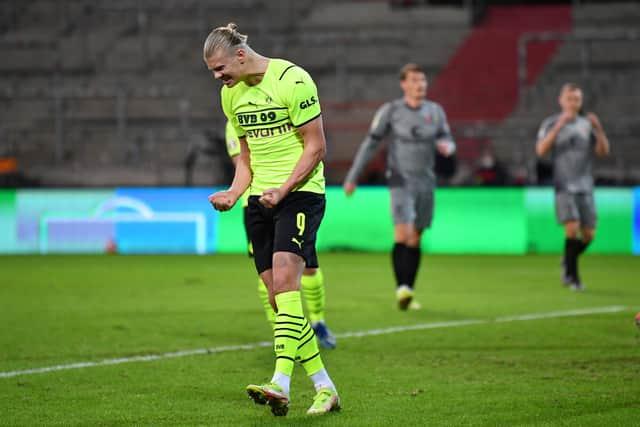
291	226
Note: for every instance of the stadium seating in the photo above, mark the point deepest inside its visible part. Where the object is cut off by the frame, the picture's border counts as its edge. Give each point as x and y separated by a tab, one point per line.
610	78
113	92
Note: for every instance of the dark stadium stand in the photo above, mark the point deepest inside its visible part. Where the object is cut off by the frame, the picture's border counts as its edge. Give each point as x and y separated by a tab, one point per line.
115	92
603	56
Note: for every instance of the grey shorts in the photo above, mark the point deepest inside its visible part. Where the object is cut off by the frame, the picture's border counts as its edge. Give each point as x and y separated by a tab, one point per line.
412	206
576	207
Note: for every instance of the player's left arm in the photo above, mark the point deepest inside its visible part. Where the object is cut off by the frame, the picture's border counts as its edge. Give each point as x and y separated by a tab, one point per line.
315	147
444	142
602	142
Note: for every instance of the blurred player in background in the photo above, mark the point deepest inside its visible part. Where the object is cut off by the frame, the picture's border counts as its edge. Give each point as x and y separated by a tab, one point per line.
418	128
274	109
312	281
572	139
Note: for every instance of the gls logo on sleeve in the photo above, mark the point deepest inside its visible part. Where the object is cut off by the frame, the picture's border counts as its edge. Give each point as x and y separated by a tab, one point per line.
308	102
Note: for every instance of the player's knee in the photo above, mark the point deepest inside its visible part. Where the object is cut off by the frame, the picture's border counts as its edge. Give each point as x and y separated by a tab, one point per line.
406	235
284	281
287	268
588	235
400	237
571	230
413	237
400	242
570	234
413	242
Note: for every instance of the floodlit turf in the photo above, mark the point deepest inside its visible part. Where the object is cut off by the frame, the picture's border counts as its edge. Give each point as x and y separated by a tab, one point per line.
569	371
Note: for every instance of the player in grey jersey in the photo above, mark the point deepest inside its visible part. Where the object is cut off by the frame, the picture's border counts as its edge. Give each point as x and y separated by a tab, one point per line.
572	139
417	128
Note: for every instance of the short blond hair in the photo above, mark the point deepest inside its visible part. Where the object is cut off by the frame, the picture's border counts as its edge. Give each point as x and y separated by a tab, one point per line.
225	38
410	68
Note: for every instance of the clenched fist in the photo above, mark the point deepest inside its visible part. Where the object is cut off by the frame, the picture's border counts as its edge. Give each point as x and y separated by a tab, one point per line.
223	200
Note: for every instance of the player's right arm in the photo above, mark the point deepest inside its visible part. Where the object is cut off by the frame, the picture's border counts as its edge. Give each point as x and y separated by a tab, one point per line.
548	133
233	144
238	149
243	175
225	200
379	129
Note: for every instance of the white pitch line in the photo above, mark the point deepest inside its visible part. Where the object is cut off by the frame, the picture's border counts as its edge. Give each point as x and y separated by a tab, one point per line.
366	333
566	313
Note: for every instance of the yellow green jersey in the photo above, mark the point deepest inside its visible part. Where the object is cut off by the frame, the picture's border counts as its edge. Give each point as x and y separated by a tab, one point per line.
267	116
233	149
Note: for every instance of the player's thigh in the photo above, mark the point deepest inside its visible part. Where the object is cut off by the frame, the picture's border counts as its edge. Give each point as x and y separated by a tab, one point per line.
424	204
297	222
587	210
571	229
401	233
566	208
402	205
260	225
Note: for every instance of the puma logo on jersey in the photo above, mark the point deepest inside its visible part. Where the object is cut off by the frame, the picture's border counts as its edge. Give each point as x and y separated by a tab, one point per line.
297	242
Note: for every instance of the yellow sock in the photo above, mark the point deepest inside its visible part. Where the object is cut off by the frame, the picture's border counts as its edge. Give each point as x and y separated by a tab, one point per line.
263	293
286	334
313	290
308	352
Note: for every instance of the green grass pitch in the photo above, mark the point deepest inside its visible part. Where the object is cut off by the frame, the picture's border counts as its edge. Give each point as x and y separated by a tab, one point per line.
578	370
